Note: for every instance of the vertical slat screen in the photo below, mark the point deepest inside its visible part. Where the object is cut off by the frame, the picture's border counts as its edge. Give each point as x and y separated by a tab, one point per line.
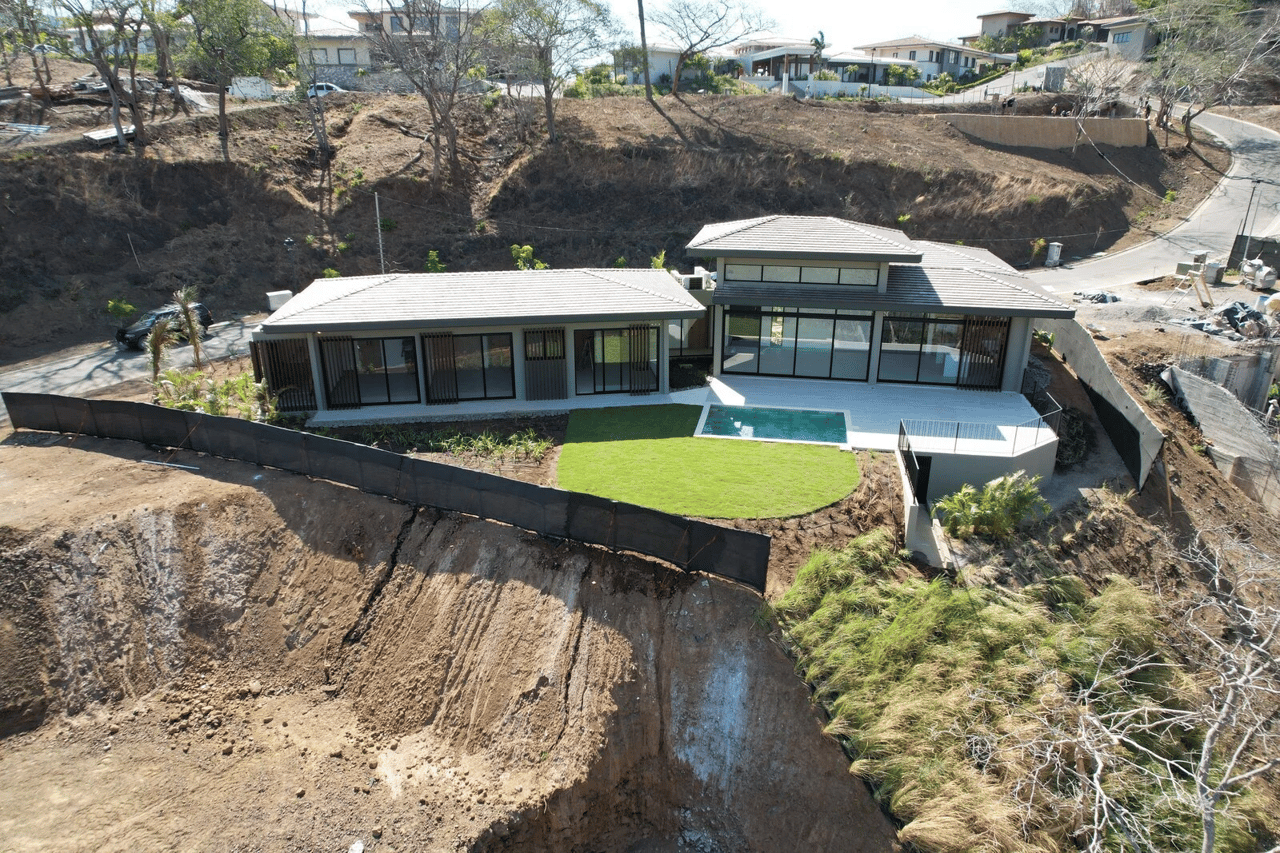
982	352
338	362
643	378
286	367
442	380
545	368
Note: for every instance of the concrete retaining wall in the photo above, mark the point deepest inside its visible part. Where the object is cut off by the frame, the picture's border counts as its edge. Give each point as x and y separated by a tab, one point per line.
1136	438
1050	131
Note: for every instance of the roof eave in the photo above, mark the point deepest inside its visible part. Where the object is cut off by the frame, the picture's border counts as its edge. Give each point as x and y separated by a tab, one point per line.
411	325
873	303
872	257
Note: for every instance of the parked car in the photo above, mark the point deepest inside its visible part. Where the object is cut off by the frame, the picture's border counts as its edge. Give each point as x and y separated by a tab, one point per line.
134	335
319	90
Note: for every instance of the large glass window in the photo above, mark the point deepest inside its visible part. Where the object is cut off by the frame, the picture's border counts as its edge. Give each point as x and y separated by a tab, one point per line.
851	348
369	371
790	341
921	348
742	343
470	367
608	361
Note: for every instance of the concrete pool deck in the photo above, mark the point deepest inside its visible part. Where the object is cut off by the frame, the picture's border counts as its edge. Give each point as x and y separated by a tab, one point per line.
873	412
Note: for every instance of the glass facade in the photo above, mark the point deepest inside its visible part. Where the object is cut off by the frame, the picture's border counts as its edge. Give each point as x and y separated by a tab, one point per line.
369	371
609	361
921	348
787	341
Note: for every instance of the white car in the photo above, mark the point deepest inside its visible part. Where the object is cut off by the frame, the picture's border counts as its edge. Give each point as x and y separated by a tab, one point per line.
319	90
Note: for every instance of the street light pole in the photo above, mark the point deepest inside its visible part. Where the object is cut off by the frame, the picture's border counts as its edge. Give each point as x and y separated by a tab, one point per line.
1244	226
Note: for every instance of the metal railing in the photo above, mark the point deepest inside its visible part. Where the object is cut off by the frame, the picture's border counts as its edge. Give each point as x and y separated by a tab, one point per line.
982	439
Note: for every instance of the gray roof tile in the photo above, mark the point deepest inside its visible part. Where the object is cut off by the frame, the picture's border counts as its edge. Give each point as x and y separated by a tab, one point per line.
791	237
439	300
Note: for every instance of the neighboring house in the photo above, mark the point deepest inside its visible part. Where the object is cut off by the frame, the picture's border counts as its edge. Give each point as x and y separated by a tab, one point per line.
1000	24
411	341
825	298
1042	30
1127	36
933	58
662	61
335	49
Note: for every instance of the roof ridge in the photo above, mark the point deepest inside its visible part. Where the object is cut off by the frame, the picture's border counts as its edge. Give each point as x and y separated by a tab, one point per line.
848	223
374	281
600	272
747	223
1042	296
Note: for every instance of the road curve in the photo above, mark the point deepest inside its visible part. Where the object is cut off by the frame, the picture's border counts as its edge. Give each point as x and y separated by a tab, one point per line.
110	364
1255	154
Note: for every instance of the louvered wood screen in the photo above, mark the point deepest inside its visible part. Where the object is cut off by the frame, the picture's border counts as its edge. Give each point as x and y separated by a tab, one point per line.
442	380
545	367
643	378
338	363
286	368
982	352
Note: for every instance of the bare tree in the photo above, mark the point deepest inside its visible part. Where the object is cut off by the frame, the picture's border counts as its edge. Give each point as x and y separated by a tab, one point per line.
443	52
1096	87
111	30
1209	52
1193	733
548	40
697	26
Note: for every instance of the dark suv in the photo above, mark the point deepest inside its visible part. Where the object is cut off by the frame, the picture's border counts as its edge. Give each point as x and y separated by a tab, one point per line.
134	335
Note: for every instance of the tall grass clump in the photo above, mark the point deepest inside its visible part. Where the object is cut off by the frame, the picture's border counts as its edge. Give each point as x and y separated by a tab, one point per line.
967	709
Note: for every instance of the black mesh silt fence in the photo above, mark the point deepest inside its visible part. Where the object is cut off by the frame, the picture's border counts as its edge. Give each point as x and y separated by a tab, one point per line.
696	545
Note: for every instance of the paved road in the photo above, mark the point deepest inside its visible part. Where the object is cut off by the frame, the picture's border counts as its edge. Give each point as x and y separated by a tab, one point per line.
1212	226
110	364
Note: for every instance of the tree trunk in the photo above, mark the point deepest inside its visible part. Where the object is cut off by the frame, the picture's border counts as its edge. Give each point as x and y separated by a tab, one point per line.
644	48
675	77
224	128
548	106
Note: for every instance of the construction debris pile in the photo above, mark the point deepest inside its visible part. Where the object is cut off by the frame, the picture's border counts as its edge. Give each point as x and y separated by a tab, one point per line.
1235	321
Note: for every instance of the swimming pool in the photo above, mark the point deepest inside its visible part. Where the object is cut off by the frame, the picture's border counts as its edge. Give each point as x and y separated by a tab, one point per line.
769	424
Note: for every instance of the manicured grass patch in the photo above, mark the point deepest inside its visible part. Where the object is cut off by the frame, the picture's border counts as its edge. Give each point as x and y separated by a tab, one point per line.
648	455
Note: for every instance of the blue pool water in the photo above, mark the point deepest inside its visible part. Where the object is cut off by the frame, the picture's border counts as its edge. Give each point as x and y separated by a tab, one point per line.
765	424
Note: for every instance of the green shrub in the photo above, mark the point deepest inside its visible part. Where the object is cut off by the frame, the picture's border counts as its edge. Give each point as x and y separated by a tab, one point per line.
993	512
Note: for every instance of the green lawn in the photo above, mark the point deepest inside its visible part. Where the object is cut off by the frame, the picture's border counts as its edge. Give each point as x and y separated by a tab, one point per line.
648	455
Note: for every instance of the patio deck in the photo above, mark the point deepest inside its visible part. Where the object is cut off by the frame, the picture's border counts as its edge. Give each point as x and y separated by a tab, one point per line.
986	419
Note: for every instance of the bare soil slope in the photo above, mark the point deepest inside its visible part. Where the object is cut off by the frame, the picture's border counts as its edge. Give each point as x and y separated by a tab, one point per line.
84	225
234	658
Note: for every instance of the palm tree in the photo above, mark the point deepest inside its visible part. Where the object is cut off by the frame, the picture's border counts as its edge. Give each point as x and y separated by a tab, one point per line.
157	344
188	323
819	43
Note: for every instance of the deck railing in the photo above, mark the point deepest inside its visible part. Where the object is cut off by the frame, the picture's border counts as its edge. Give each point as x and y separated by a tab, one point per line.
981	439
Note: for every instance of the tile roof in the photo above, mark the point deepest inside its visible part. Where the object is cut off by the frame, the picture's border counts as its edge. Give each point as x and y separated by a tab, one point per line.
815	237
948	279
911	289
438	300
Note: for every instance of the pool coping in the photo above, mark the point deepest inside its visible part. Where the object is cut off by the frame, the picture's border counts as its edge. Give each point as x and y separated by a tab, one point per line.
847	444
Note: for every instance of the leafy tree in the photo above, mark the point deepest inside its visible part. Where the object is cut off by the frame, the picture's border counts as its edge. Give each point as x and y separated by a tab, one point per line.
433	262
548	40
697	26
819	43
230	38
23	27
523	256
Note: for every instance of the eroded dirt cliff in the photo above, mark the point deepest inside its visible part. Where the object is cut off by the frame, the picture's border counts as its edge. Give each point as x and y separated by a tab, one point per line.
236	658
